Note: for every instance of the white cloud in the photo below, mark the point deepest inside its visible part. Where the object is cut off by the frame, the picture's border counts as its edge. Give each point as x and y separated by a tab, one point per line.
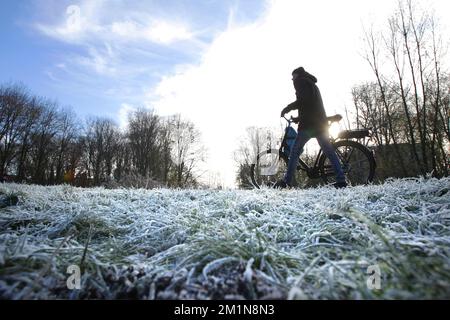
107	38
51	76
124	111
127	29
90	21
101	61
158	31
76	24
166	32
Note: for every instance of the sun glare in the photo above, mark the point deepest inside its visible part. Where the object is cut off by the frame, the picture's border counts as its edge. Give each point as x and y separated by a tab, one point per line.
334	130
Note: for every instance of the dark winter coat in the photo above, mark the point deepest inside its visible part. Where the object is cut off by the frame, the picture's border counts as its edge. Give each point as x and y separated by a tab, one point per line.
309	103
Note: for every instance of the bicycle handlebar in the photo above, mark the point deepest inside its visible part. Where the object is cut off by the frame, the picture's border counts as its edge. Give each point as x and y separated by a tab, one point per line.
335	118
291	119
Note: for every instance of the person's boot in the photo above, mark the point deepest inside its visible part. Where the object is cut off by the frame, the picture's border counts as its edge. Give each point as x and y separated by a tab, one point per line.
281	184
340	185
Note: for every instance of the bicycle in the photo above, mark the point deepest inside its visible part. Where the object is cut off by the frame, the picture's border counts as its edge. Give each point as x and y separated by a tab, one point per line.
357	161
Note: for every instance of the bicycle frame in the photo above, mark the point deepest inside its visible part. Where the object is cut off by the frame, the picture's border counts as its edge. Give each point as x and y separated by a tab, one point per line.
312	172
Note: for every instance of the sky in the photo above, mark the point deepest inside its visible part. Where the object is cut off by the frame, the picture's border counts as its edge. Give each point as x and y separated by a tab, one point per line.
223	64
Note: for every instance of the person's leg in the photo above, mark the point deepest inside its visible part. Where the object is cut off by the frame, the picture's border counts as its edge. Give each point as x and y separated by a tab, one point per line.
329	151
296	151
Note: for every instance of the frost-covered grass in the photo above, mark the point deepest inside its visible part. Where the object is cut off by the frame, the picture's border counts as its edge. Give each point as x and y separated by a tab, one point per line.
205	244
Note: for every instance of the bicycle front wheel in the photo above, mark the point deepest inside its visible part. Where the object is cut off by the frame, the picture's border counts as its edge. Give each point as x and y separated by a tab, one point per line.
268	168
356	160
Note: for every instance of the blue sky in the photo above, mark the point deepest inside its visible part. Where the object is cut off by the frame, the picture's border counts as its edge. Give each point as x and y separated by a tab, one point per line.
96	72
225	65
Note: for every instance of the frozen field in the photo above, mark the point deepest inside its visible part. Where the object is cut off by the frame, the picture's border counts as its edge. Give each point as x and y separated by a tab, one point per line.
203	244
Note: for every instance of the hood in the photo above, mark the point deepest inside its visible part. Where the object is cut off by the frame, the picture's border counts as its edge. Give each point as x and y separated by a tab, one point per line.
303	74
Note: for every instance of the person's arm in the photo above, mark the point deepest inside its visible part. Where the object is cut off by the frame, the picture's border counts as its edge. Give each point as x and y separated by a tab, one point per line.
290	107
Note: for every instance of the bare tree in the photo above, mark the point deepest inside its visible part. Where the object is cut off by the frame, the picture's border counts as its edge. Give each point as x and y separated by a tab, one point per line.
410	78
14	100
65	137
34	111
123	157
165	145
43	142
143	127
187	153
101	142
373	60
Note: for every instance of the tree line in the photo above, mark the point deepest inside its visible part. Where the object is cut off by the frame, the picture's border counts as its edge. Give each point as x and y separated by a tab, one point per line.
44	143
408	103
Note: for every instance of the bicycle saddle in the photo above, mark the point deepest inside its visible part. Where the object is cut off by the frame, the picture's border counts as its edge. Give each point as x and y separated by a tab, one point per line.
335	118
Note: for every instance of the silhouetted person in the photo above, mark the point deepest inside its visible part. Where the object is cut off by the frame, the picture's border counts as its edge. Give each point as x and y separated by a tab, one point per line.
312	122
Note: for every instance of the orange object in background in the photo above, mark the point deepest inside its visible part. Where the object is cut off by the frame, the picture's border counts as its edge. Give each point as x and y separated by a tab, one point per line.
69	176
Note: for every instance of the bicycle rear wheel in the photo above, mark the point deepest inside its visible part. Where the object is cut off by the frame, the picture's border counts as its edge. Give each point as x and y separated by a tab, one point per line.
356	160
268	168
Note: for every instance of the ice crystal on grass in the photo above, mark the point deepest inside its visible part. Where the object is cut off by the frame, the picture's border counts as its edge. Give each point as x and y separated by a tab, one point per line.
238	244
